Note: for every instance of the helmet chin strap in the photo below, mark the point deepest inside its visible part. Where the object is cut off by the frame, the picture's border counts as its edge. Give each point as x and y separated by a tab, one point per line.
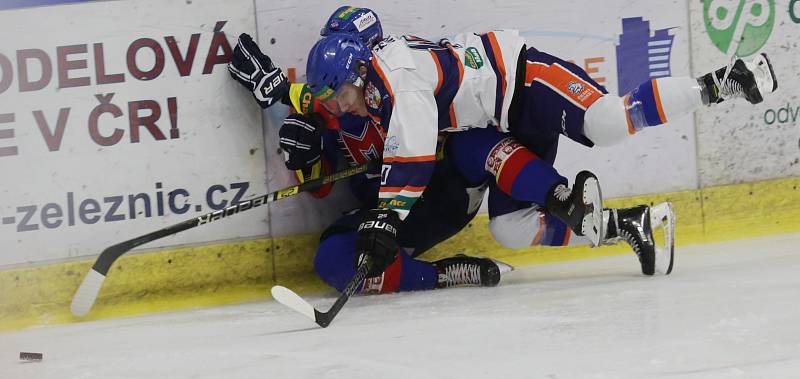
362	74
359	82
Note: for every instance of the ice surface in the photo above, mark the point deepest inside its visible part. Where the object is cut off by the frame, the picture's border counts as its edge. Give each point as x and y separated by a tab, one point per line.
728	310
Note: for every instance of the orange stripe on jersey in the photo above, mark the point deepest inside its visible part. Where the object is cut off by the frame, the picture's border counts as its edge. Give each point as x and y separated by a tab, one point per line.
453	119
421	158
438	71
382	76
398	189
533	70
658	102
625	102
498	56
569	85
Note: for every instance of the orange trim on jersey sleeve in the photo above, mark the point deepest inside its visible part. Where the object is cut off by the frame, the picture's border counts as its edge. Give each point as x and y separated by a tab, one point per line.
421	158
657	97
453	119
438	71
498	56
380	73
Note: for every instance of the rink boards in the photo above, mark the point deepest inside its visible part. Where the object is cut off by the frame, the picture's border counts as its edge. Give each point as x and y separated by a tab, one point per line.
233	272
86	163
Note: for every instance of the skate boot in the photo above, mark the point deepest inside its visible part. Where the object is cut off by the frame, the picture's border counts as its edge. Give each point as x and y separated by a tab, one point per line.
461	270
750	80
580	208
635	226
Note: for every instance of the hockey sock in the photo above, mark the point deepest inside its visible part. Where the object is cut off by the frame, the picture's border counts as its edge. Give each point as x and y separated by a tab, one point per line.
610	119
520	173
334	265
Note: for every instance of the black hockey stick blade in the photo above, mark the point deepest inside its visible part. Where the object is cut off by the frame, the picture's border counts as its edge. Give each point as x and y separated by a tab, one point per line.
87	292
292	300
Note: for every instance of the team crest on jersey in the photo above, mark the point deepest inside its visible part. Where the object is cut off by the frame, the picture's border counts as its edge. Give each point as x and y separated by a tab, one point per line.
361	142
575	87
472	58
373	96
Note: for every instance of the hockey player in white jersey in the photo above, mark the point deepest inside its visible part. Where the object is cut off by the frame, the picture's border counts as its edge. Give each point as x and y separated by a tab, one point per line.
416	88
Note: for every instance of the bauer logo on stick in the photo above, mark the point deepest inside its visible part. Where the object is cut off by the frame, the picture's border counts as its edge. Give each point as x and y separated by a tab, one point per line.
30	356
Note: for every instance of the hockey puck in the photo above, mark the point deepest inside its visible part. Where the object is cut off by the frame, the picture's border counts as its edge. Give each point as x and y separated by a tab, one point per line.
30	356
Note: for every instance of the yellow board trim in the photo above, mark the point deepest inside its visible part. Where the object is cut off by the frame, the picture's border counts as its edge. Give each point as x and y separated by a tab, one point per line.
243	271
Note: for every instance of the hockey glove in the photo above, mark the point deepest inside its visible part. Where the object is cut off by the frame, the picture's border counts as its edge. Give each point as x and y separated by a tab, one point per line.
255	71
301	141
377	240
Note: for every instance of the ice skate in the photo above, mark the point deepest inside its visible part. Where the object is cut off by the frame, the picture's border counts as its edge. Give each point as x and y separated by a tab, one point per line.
748	79
461	271
580	208
635	226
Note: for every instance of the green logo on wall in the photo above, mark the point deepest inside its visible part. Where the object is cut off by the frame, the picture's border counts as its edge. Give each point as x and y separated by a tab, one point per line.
744	25
473	58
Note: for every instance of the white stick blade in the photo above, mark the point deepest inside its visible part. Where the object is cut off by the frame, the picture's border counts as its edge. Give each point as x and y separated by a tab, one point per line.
290	299
87	293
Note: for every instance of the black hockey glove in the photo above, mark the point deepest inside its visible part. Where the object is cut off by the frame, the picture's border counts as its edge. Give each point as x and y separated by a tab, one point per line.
301	141
255	71
377	240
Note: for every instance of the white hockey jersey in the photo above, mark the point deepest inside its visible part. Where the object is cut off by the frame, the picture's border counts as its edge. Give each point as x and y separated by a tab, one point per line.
416	88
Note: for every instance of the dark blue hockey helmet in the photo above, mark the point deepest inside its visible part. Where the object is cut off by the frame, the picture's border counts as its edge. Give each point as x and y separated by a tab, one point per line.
362	22
334	60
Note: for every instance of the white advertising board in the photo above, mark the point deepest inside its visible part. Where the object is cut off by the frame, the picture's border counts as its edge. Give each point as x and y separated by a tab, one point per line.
612	40
738	142
119	118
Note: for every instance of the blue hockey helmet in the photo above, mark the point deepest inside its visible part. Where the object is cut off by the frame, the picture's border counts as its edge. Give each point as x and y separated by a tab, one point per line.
362	22
334	60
